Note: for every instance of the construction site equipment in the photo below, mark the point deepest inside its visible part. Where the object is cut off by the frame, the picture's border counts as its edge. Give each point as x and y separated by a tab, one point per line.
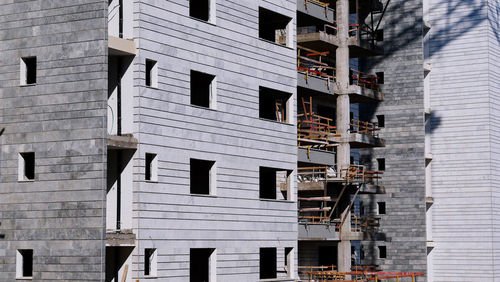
312	62
365	80
358	276
364	127
314	131
354	174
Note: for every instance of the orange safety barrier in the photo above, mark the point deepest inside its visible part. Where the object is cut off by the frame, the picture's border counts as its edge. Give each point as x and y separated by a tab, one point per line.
365	80
364	127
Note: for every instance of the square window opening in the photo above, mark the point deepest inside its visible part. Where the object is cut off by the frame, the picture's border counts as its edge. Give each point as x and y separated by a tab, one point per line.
202	177
150	262
275	27
273	104
202	265
381	120
203	90
28	70
274	184
381	207
381	164
382	252
27	166
151	73
24	263
201	9
151	173
267	263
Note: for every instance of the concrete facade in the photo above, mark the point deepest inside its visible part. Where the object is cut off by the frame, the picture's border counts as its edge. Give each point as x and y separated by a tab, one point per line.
118	140
60	214
404	222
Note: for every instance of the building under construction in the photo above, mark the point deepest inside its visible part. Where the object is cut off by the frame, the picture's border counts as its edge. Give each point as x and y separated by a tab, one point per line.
263	140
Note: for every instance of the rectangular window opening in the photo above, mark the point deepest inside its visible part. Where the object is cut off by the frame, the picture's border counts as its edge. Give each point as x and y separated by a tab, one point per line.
202	265
151	173
382	252
274	27
273	104
28	70
381	164
151	73
203	90
24	263
381	120
200	9
267	263
381	207
380	77
150	262
27	166
379	35
274	184
202	177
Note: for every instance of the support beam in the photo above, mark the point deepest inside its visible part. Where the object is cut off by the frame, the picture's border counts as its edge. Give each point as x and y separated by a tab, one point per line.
343	122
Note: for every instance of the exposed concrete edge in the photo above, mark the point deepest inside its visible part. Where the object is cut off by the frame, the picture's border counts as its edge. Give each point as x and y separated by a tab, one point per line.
120	46
122	142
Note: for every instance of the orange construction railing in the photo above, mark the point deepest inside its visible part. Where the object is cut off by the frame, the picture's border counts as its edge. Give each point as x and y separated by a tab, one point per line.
365	80
364	127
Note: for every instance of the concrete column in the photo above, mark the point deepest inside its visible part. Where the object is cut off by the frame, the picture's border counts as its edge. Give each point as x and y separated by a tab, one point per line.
343	123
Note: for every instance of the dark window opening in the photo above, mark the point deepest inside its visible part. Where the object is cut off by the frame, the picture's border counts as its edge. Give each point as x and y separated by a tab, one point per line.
200	177
382	252
381	164
327	255
30	75
149	166
273	182
379	35
380	77
150	64
268	263
148	260
273	26
327	112
27	262
29	166
273	104
199	9
381	120
201	88
199	265
381	207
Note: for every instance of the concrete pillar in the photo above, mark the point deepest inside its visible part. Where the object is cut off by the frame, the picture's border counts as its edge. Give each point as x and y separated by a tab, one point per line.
343	123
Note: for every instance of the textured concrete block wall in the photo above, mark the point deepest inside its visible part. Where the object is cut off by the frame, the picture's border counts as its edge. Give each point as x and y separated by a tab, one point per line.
60	215
404	177
234	221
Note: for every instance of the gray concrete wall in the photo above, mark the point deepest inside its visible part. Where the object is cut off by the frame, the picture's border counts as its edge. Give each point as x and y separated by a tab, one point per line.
60	215
404	177
234	221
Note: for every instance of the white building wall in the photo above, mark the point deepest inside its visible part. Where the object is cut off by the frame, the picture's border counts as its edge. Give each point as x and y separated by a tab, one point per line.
235	221
462	143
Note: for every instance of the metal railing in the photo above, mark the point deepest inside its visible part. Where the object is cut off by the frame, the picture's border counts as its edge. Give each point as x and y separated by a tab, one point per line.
364	127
